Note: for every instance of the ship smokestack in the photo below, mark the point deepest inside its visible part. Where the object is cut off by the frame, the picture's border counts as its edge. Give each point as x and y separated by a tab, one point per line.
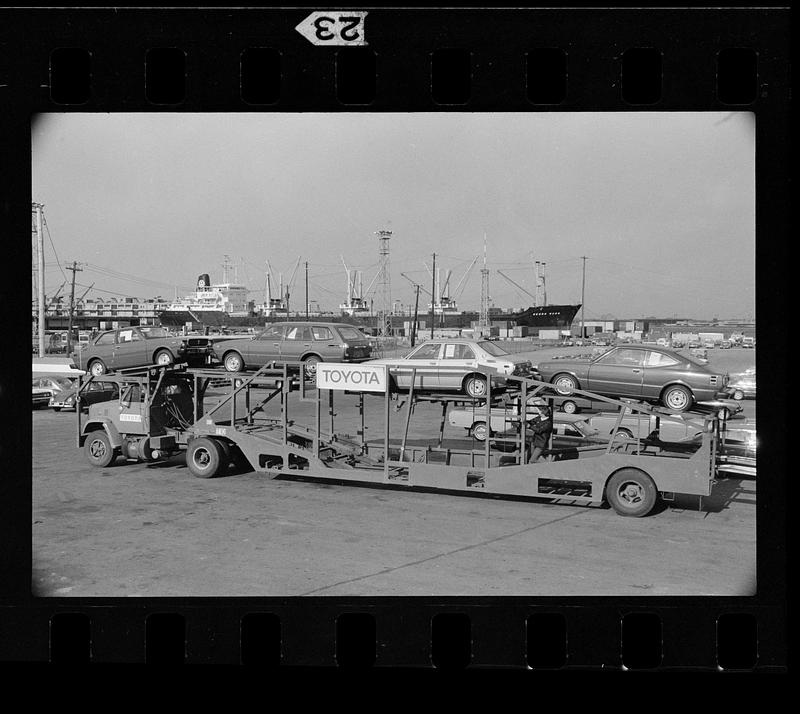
203	281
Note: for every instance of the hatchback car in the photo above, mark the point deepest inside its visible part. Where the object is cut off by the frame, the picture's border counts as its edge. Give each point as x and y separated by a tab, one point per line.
136	347
452	365
743	386
308	342
638	372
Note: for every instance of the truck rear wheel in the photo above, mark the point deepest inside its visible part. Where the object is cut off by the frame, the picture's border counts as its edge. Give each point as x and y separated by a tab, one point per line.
204	457
631	492
98	449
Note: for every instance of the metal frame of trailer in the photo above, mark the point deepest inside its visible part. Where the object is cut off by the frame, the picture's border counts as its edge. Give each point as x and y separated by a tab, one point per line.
630	476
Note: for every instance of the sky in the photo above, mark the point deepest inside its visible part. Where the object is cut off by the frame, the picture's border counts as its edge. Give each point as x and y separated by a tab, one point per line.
661	204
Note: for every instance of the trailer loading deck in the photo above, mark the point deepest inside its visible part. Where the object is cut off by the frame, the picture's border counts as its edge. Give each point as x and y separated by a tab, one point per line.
257	421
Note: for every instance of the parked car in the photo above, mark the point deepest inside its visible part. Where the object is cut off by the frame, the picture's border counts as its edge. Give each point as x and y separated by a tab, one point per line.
45	387
135	347
453	365
743	385
638	372
640	426
725	345
93	393
709	344
694	344
308	342
568	429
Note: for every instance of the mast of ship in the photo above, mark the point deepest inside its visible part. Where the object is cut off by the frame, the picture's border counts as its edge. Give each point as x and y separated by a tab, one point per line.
536	282
544	285
583	285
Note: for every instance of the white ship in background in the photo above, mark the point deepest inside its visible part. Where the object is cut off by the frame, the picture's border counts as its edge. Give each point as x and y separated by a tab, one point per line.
224	303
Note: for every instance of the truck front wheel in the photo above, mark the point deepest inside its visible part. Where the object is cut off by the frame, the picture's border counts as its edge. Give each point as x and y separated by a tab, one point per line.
203	457
631	493
98	449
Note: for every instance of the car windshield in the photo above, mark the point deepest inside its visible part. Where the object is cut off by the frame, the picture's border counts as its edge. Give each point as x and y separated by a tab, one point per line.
493	349
351	333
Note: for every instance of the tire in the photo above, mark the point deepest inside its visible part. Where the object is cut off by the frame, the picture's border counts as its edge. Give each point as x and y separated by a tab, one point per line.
565	383
203	457
569	407
478	431
738	395
475	386
310	363
163	358
233	362
677	398
56	409
225	453
98	449
623	436
97	368
631	492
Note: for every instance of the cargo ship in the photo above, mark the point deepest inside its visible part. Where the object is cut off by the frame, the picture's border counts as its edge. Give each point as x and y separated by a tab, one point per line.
212	305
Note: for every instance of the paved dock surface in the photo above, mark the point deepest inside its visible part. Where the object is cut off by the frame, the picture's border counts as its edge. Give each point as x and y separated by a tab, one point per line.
135	529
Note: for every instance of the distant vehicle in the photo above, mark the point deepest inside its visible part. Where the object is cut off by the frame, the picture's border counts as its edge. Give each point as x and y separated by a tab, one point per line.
749	342
709	344
44	388
694	344
308	342
725	345
677	344
638	372
95	392
743	386
134	347
662	342
452	365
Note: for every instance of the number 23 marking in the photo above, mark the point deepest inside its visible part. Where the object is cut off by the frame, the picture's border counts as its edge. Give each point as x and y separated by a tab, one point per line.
348	31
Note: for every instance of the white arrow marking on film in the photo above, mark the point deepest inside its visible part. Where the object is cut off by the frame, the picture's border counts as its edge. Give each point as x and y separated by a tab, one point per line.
338	28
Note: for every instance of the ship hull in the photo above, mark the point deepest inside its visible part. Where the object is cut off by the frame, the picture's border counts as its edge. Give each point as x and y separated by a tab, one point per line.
179	318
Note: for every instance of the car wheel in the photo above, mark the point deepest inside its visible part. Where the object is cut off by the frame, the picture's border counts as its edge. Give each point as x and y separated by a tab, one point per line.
569	407
163	358
475	386
738	395
203	457
623	435
631	493
565	383
310	364
97	368
677	398
478	431
98	449
56	409
233	362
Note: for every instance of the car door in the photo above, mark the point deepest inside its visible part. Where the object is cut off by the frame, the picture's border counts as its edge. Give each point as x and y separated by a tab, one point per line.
457	360
266	347
104	348
618	372
423	362
129	350
296	342
659	368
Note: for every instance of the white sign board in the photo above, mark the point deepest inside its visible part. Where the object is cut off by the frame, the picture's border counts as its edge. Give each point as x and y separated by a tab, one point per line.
352	377
338	28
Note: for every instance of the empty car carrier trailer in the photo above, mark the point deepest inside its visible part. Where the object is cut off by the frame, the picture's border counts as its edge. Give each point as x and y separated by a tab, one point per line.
162	410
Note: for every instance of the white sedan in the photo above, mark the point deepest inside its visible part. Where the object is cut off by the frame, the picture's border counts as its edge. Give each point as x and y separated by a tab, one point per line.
450	365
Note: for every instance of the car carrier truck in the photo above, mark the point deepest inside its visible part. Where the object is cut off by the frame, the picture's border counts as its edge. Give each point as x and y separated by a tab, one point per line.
277	421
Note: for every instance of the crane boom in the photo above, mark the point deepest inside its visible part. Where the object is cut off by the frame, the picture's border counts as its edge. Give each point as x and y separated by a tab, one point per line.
517	284
459	286
415	284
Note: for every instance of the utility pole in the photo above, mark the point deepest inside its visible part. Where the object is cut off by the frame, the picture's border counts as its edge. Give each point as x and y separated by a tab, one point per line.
583	286
414	324
74	269
433	294
306	291
40	260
